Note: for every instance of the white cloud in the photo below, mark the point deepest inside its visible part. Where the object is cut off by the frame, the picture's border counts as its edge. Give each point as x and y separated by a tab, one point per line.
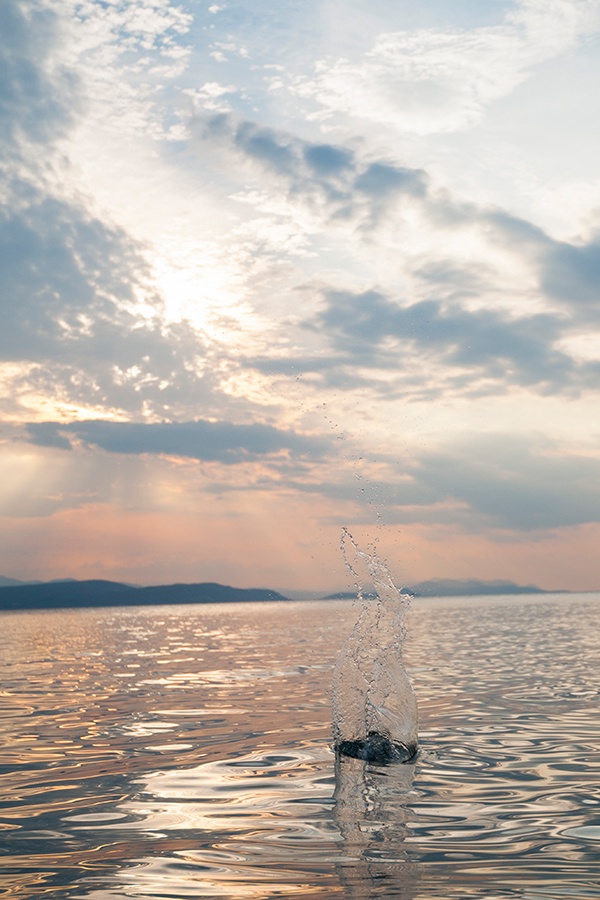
211	96
429	81
555	25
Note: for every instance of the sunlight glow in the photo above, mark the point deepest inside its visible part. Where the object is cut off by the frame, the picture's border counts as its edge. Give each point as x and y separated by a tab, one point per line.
199	286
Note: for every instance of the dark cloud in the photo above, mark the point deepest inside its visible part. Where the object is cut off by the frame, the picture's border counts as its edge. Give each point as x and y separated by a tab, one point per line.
434	348
48	434
263	145
451	281
370	330
481	483
568	272
62	269
37	99
380	180
464	337
508	482
318	172
571	273
210	441
325	159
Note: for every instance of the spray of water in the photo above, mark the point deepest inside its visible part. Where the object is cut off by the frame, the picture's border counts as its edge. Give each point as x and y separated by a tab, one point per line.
374	705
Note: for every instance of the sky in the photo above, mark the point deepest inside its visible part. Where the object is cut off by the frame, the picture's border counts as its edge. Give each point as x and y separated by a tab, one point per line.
272	270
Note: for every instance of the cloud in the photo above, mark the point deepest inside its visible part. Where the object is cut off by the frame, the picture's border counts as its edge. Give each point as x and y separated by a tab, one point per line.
63	272
509	482
82	324
494	483
81	317
489	301
381	179
38	96
442	246
431	348
52	466
85	324
567	271
224	442
571	273
326	160
331	178
426	80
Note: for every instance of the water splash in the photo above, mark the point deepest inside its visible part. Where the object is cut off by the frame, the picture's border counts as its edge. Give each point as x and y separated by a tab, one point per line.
374	705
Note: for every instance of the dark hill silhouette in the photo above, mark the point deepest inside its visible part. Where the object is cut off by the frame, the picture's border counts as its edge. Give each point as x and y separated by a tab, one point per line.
80	594
449	587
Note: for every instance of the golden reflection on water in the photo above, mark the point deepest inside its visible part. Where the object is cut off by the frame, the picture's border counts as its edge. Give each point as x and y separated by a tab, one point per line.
184	752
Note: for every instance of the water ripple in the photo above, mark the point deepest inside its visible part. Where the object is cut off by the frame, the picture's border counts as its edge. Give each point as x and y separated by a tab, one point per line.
175	752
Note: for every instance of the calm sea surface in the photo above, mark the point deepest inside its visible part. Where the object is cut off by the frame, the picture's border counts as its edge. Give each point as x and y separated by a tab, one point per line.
182	752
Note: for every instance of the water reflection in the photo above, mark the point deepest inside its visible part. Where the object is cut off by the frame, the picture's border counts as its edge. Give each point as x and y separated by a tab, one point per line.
266	825
371	812
258	825
178	753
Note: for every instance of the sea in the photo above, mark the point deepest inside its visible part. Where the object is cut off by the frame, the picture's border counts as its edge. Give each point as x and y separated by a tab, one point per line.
179	752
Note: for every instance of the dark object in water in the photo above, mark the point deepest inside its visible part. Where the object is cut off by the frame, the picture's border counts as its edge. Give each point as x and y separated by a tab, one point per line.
376	748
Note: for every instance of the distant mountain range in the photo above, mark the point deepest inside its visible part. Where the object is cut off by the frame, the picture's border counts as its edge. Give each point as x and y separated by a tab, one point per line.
79	594
69	593
450	587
